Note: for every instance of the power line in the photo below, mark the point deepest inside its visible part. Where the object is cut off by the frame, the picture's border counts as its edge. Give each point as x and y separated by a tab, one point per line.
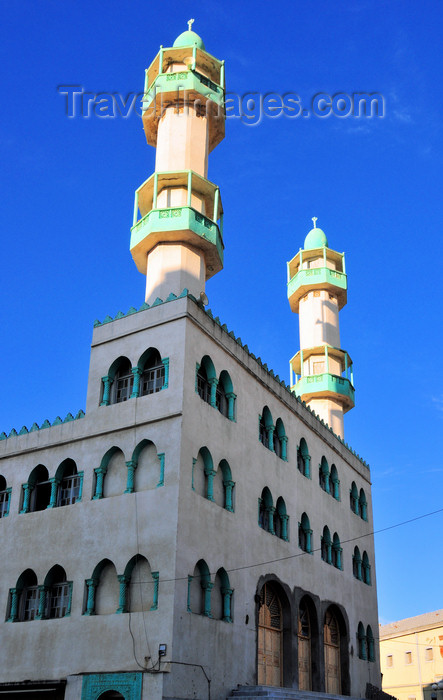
303	553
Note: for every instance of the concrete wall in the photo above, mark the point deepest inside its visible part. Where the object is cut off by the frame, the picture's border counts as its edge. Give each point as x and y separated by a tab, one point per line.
174	526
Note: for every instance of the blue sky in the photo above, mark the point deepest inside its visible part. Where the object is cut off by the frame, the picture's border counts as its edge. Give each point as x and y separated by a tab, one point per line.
374	184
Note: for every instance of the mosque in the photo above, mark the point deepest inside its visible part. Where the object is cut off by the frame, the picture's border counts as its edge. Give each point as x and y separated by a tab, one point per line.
203	528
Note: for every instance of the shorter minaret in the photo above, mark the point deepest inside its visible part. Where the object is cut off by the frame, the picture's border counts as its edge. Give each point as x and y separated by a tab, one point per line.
317	291
177	236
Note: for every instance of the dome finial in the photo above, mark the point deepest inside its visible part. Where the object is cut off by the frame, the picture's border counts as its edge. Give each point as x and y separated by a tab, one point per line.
314	219
190	23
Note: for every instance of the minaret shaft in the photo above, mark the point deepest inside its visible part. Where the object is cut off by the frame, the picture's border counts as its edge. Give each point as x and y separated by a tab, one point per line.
177	243
317	291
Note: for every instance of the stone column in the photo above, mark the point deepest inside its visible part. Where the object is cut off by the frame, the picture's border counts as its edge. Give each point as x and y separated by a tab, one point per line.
43	590
91	584
284	526
231	405
132	466
122	600
100	474
107	382
229	485
207	588
14	605
213	384
210	473
55	483
27	490
137	373
227	595
271	511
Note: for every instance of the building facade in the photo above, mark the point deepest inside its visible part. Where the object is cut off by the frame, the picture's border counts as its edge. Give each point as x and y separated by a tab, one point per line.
199	527
411	657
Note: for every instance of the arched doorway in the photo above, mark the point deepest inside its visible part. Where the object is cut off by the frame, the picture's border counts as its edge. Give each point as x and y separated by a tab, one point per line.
304	647
111	695
270	638
332	653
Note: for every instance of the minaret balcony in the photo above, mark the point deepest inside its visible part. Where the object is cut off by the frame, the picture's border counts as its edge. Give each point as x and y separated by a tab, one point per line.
190	57
315	269
178	207
323	372
324	386
180	77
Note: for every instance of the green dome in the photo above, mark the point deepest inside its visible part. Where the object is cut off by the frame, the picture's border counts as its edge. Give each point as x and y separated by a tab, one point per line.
316	238
189	38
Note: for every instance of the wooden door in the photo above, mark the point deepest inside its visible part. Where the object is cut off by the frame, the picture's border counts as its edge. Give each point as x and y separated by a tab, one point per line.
332	654
270	633
304	648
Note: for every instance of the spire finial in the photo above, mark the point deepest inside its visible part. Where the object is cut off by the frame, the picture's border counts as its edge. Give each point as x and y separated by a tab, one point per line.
190	23
314	219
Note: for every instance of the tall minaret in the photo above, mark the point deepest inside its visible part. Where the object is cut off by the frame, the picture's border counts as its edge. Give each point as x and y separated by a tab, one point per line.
177	239
317	287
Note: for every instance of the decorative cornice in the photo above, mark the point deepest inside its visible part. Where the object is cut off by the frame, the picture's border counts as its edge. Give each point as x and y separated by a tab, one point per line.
45	424
238	340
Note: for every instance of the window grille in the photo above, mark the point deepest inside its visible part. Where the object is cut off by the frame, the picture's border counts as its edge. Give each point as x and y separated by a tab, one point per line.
57	600
221	401
30	599
69	491
263	433
153	379
123	388
203	387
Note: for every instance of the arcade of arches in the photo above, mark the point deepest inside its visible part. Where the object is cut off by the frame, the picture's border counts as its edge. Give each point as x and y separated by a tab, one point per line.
301	641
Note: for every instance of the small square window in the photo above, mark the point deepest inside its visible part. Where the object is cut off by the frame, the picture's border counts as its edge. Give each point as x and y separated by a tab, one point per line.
389	661
429	654
408	657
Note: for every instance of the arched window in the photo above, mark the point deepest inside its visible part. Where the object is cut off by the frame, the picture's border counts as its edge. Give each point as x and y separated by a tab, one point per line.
111	475
102	590
370	643
305	534
138	586
323	475
334	483
204	474
225	397
199	590
24	598
5	497
69	483
228	486
117	385
146	468
361	638
326	546
206	381
281	520
222	597
280	440
366	567
57	593
353	498
303	459
266	429
152	372
37	491
336	553
363	505
266	511
356	564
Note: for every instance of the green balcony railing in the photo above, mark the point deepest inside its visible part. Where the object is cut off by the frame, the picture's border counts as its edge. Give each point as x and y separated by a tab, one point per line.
179	219
181	83
326	384
316	276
